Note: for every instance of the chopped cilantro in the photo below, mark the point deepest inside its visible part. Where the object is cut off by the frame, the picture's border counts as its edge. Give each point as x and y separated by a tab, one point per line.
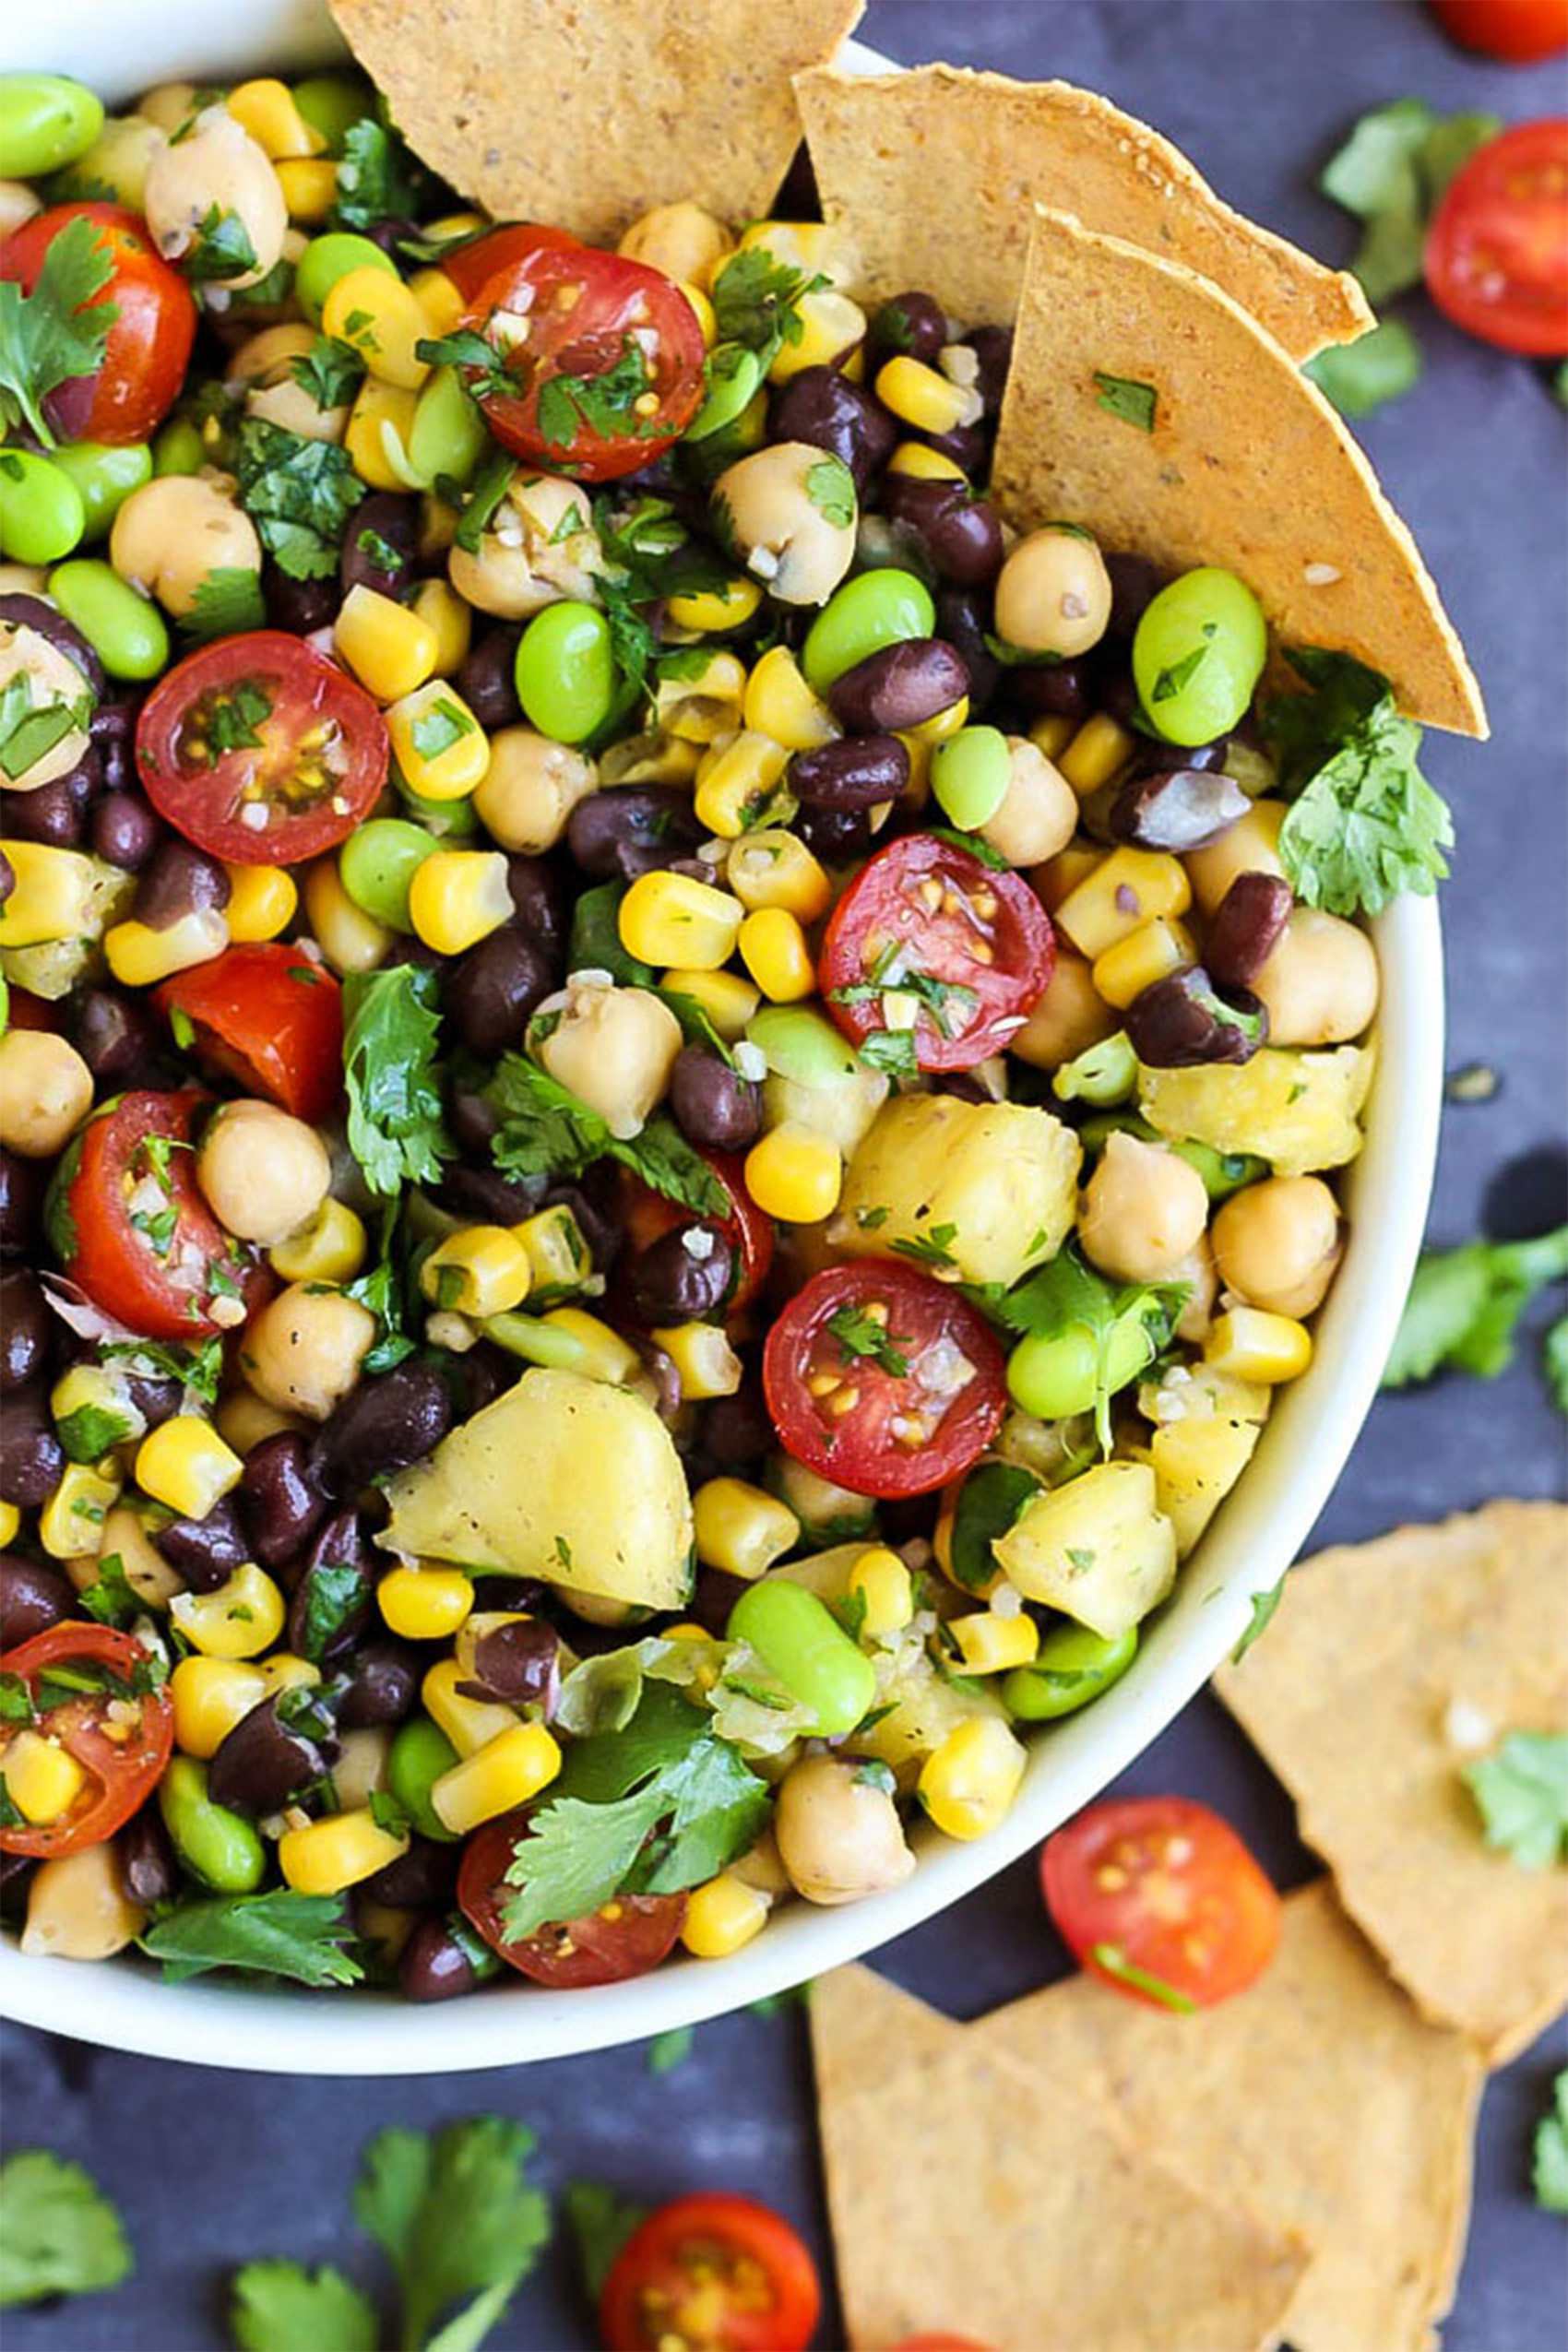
606	405
547	1130
1364	825
27	733
1112	1961
1377	367
859	1334
219	248
1549	2170
1263	1606
60	331
600	2222
484	364
1171	682
329	372
830	486
378	179
757	302
298	492
229	720
485	493
110	1598
395	1127
667	2050
890	1051
226	602
436	730
1521	1793
1123	397
1390	174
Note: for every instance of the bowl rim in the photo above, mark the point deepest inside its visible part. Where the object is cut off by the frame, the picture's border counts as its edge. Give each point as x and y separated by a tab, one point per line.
1257	1533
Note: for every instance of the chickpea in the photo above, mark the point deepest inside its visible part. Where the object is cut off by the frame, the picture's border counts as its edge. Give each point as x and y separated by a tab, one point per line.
242	1420
1279	1242
532	554
149	1575
530	788
218	169
1203	1288
172	532
1054	593
18	203
616	1047
171	105
761	1866
263	369
1143	1211
45	1092
24	579
264	1173
839	1838
53	678
360	1768
776	528
596	1609
1252	846
1321	982
1039	814
78	1907
681	240
1068	1019
303	1352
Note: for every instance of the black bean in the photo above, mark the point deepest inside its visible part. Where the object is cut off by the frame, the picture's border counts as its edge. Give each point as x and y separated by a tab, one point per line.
1156	758
1177	808
299	606
486	1197
16	1883
1134	582
1181	1021
112	729
387	1422
1118	698
491	990
423	1879
24	1328
149	1871
737	1429
595	1202
993	346
54	813
123	830
714	1107
836	836
264	1762
178	881
22	1185
156	1400
630	829
508	1592
963	622
898	687
32	1598
473	1123
20	612
538	902
670	1285
282	1503
331	1603
1053	689
961	533
205	1553
33	1460
383	1681
821	407
514	1663
966	444
855	773
390	517
914	324
1246	928
434	1965
118	1035
486	678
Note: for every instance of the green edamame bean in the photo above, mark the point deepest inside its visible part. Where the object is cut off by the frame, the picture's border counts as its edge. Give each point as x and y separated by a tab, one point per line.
734	377
969	775
444	820
378	862
45	120
799	1639
124	629
178	449
1105	1072
802	1046
42	514
1197	654
1070	1667
449	434
420	1753
875	609
333	104
217	1846
1054	1376
565	672
325	259
105	478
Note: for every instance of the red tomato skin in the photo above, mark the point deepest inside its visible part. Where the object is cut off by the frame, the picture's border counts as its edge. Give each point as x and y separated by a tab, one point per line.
592	1951
276	1032
471	266
1229	1900
202	802
149	343
1517	32
1497	250
126	1770
751	1236
654	2257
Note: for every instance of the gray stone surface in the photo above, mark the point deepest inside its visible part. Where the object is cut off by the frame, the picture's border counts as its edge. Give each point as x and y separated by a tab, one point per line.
212	2168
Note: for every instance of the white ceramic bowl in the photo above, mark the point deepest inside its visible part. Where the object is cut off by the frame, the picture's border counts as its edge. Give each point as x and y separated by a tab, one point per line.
122	46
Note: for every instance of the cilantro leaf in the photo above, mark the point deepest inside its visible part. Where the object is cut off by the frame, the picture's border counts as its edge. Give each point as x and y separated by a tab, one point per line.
330	372
604	405
600	2221
859	1334
58	332
379	1288
395	1129
456	2216
1264	1606
111	1597
1522	1792
890	1051
298	492
280	1933
59	2234
1554	1351
1364	825
1123	397
29	731
378	179
281	2307
485	492
1549	2171
1065	1295
1464	1306
337	1589
670	2049
1390	174
830	486
757	302
220	246
228	602
547	1130
486	368
90	1431
1377	367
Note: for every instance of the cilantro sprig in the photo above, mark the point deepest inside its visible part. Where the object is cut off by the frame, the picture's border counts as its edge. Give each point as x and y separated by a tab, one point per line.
59	2234
1522	1795
397	1129
1549	2171
1065	1295
299	1937
60	331
1466	1304
299	494
547	1130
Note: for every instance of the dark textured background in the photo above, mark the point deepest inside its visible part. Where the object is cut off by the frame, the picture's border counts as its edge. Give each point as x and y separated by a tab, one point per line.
212	2168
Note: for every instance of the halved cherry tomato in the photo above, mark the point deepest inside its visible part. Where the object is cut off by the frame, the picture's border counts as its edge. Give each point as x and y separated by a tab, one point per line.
265	1015
972	944
260	750
711	2274
129	1223
607	355
921	1383
626	1938
1516	31
150	342
73	1674
646	1214
1497	250
470	265
1160	1889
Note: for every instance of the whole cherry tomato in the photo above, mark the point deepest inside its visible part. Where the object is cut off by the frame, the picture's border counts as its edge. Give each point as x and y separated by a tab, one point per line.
149	341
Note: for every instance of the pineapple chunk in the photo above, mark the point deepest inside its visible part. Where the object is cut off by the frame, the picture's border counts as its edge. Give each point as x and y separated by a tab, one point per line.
1196	1463
981	1192
842	1110
1297	1110
1197	1392
1098	1548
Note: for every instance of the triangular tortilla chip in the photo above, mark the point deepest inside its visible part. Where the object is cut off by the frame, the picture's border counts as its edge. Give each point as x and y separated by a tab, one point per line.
967	2193
1388	1667
1320	2093
585	116
931	174
1244	464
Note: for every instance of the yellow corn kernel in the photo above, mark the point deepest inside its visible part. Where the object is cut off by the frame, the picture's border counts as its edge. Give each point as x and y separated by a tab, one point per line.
443	751
794	1174
10	1520
186	1464
780	704
741	1528
337	1852
470	1724
605	1355
722	1915
438	602
738	784
243	1617
559	1259
1060	876
425	1604
1253	1345
1125	890
711	611
651	757
1151	953
808	245
673	918
923	396
932	732
1098	752
687	1630
376	435
309	187
773	950
506	1772
351	940
380	319
210	1695
479	1270
706	316
459	896
98	1389
284	1671
441	303
71	1520
727	999
389	647
42	1779
884	1584
831	325
968	1784
700	708
138	955
266	110
331	1248
776	868
924	464
262	901
463	223
705	1362
991	1644
1052	735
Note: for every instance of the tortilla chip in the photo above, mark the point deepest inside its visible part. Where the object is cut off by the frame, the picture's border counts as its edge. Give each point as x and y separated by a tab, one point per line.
1345	2118
930	173
1383	1670
583	116
1244	463
969	2193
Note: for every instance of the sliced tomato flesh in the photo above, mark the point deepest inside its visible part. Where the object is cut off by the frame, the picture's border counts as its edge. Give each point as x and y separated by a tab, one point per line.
1497	250
712	2273
99	1695
264	1014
